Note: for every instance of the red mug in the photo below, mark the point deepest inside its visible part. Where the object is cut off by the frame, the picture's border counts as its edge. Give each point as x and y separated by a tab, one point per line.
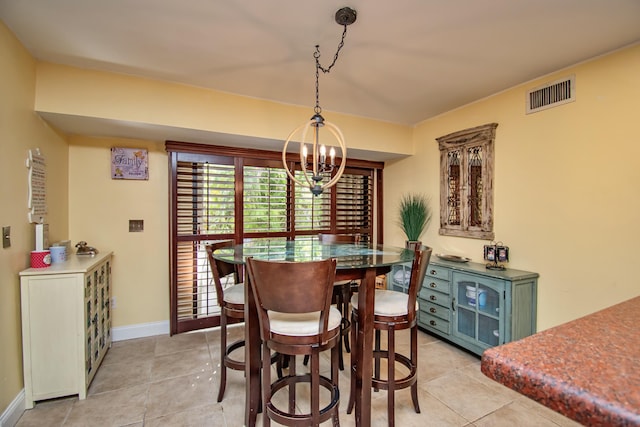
40	259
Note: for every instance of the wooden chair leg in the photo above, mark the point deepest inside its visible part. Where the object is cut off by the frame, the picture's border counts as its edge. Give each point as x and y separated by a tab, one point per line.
292	387
280	364
391	364
223	354
354	358
376	354
315	387
414	361
335	351
266	384
346	309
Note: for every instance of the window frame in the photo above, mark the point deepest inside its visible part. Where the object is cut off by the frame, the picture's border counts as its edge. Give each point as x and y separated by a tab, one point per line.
463	141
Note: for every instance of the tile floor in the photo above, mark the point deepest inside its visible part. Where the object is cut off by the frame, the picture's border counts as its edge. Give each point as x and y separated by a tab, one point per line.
173	381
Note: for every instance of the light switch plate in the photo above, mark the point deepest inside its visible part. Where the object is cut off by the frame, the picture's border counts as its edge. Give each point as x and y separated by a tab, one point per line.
136	225
6	236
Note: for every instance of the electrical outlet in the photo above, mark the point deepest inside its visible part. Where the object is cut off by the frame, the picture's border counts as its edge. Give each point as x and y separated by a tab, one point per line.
113	302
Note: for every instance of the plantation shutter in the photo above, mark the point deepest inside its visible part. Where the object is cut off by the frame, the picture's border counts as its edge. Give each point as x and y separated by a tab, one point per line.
204	210
354	203
264	200
205	198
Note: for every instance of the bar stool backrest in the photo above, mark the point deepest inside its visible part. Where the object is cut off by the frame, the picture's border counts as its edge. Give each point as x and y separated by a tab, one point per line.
292	287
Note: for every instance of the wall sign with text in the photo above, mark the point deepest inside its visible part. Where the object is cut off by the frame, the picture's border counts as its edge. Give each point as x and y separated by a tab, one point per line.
129	163
37	200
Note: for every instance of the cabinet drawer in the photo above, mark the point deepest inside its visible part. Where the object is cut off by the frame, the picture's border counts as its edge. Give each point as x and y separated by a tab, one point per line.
429	295
439	285
434	322
437	271
435	310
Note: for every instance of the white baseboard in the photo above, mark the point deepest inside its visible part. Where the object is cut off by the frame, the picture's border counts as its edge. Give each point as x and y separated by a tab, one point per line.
140	330
14	411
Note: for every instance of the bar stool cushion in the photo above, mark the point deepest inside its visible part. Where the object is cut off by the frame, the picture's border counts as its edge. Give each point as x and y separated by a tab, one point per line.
387	303
301	324
234	294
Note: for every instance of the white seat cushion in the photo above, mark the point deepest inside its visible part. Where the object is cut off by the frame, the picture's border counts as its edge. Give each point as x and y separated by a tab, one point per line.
301	324
387	303
234	294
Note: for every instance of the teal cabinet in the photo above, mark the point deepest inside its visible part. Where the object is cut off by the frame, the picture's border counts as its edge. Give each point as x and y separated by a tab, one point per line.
476	310
472	306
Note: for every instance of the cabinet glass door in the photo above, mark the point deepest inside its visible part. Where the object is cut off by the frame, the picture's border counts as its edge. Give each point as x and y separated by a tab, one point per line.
478	304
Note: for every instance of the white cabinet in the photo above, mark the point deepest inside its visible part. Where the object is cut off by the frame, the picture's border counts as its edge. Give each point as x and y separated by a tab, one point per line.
66	325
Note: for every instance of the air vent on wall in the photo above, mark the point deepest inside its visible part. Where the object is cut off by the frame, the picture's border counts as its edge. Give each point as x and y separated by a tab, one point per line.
551	94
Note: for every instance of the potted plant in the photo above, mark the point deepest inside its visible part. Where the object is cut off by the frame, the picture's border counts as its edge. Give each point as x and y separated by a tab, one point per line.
414	217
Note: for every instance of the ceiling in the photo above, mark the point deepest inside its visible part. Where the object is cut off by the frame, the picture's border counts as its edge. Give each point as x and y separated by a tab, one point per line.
403	61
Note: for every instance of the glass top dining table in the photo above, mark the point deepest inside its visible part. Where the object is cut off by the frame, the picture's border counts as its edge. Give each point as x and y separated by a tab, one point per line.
348	255
360	261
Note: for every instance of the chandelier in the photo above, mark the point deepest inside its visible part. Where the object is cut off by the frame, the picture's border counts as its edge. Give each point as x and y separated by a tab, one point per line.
322	163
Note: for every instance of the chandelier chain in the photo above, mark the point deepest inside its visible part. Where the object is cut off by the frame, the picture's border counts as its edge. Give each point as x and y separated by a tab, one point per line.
317	109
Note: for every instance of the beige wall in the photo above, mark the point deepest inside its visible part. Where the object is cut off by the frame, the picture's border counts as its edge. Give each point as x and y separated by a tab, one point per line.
87	93
100	210
20	130
566	186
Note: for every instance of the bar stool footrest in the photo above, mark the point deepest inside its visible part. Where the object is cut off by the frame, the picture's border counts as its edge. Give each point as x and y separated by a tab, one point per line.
229	361
399	383
286	418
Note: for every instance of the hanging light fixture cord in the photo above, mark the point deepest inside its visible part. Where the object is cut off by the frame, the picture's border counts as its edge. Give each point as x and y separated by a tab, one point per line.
319	67
323	159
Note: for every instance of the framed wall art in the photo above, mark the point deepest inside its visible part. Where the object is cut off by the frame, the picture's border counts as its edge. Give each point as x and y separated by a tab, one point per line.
129	163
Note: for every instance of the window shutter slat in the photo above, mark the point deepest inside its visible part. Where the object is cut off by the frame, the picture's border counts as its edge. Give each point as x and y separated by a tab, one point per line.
205	198
312	213
264	199
354	204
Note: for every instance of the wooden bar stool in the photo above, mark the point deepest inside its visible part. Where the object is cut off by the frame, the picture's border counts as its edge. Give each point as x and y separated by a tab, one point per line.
293	300
231	302
394	311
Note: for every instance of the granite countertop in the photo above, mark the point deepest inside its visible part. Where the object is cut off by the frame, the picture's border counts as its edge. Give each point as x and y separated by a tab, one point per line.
587	369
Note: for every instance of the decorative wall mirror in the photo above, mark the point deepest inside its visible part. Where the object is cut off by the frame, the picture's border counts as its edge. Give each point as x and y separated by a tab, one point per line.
466	182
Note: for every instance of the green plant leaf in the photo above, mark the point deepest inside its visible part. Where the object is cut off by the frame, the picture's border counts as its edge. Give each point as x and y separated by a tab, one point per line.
414	215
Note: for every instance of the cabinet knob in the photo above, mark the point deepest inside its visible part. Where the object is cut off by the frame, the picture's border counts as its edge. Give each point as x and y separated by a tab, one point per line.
432	322
433	285
432	297
432	310
434	273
